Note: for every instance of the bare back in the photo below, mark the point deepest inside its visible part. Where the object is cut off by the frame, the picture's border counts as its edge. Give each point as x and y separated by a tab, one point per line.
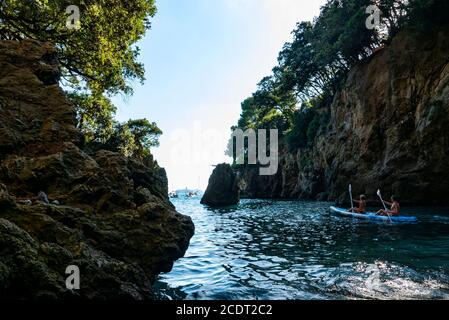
362	206
395	207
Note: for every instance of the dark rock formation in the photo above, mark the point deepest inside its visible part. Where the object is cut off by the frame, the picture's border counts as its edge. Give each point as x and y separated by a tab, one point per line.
388	130
222	189
114	220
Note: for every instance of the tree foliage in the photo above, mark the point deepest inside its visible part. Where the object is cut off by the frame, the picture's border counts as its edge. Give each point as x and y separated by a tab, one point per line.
312	67
133	138
94	114
100	55
146	134
97	60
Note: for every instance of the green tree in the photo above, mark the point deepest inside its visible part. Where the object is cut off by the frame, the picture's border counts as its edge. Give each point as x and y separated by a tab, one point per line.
146	135
122	140
297	65
101	54
97	60
313	66
426	15
95	116
299	135
134	138
248	117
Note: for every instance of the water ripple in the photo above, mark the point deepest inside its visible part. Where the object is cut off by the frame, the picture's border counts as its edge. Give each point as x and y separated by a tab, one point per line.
298	250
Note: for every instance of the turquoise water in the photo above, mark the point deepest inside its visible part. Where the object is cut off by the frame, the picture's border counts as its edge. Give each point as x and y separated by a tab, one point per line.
299	250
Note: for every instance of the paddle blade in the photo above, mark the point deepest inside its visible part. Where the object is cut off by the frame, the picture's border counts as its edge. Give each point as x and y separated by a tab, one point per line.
350	188
378	193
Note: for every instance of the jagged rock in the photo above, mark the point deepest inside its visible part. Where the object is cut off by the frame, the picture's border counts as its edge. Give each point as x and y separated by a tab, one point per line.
41	196
26	202
143	195
119	249
222	189
6	201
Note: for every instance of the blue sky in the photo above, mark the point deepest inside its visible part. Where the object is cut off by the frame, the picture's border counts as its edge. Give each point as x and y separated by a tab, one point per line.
202	58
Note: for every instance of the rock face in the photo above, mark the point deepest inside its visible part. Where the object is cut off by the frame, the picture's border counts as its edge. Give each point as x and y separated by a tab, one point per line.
388	130
222	189
114	220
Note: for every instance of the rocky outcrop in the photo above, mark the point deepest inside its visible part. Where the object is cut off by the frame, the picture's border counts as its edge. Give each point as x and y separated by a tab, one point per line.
222	189
388	130
111	218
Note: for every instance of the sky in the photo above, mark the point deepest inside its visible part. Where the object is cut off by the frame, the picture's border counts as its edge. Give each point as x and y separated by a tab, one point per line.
202	59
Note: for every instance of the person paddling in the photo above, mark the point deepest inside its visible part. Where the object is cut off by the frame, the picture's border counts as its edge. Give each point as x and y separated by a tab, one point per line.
395	208
362	205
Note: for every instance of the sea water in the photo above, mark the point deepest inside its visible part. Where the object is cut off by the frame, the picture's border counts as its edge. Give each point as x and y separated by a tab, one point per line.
299	250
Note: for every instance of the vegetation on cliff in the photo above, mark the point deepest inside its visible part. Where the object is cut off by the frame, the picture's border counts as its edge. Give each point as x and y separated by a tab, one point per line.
362	106
312	68
98	60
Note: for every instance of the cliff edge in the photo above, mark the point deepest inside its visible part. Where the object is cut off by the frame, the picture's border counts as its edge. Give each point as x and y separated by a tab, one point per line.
222	189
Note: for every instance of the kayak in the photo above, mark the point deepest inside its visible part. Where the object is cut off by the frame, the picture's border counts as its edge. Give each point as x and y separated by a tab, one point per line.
372	216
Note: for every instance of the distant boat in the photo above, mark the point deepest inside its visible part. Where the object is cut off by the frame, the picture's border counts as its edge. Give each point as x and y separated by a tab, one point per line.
187	193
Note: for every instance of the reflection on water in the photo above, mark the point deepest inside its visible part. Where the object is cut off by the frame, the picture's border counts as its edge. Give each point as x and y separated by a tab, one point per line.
299	250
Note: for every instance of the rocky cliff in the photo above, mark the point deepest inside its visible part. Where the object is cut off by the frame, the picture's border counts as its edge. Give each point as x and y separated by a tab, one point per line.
107	214
222	189
388	129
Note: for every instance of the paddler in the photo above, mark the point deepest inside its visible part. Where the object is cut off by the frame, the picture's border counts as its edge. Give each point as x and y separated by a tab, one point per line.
362	205
395	208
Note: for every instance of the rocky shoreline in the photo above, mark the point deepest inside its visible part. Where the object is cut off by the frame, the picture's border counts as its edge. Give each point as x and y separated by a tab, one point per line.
222	189
109	215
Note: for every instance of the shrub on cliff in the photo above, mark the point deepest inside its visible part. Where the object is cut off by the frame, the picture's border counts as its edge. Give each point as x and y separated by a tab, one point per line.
297	137
308	123
135	138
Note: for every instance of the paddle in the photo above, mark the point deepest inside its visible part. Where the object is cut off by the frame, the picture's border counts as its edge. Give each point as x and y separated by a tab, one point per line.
350	195
386	210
